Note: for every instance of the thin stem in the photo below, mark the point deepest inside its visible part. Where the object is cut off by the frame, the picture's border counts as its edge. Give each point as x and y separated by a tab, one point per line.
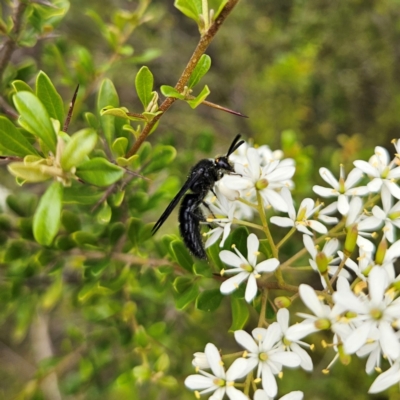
248	203
303	251
202	46
341	265
286	238
251	225
264	299
263	217
10	44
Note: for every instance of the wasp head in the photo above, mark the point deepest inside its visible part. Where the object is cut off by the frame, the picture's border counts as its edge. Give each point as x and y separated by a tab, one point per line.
223	163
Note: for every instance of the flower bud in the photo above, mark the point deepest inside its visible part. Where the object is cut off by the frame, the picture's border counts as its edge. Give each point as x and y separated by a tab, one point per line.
351	240
381	252
282	302
261	184
322	262
322	324
344	358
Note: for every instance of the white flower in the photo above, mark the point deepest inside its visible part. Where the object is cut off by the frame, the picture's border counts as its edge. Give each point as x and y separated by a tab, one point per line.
265	154
389	215
268	179
264	353
382	171
329	252
300	221
224	212
262	395
391	254
343	188
377	310
219	382
325	214
373	349
245	269
355	215
365	263
200	360
325	318
282	317
386	379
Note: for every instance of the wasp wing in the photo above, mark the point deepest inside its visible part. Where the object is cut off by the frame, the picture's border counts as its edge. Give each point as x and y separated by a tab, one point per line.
189	182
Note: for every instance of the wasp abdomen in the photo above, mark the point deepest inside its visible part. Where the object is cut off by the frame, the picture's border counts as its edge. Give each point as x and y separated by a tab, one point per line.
190	216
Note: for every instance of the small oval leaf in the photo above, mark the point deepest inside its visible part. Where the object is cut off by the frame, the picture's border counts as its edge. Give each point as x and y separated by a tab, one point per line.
99	171
200	70
35	119
48	95
46	220
144	85
79	146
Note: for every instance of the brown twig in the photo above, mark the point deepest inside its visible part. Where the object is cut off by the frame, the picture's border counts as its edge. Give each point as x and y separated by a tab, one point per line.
71	110
11	41
198	52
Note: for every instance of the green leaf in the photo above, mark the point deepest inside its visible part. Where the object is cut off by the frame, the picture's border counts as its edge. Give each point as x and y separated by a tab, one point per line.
169	91
99	171
200	70
202	268
119	146
240	314
29	172
134	226
35	119
81	194
217	6
104	215
213	254
108	96
128	162
82	238
186	291
21	86
92	120
78	148
12	141
46	220
209	300
181	255
144	85
48	95
120	112
161	157
191	8
70	221
239	239
200	98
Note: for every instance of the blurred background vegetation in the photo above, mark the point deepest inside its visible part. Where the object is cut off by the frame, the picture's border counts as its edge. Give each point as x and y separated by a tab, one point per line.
320	79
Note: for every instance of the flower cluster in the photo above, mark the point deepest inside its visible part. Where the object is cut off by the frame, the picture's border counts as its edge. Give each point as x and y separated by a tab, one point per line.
351	244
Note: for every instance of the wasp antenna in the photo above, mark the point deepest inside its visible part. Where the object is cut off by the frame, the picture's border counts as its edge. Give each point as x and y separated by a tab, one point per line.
235	145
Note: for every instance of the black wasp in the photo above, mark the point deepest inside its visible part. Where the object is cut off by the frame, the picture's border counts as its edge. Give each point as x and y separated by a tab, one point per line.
200	181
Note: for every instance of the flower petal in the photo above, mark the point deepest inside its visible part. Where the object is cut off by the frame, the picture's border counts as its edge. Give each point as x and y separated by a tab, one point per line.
328	177
252	249
198	382
231	284
246	341
214	360
230	258
267	265
386	379
251	288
